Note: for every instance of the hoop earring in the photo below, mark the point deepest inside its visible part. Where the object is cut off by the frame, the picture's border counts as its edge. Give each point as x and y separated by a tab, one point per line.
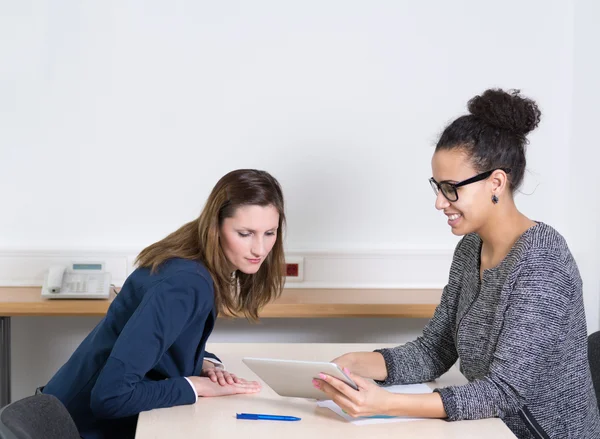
494	199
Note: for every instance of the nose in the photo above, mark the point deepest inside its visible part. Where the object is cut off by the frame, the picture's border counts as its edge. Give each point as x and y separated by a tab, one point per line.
441	202
258	247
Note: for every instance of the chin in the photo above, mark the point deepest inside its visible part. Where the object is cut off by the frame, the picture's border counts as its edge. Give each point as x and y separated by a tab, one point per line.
253	269
460	231
463	230
457	232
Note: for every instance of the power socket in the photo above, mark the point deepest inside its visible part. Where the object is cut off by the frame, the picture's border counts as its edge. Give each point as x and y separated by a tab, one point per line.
294	269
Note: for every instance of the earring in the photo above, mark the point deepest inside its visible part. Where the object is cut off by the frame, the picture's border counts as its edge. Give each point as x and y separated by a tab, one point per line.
494	199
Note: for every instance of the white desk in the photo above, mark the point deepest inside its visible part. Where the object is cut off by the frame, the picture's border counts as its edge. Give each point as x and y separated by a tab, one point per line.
215	417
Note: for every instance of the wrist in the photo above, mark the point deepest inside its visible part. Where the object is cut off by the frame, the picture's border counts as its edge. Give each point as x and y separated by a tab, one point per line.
380	372
199	384
193	386
369	365
393	404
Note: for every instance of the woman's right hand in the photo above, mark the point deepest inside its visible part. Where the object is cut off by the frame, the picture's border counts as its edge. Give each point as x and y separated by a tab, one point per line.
205	387
366	364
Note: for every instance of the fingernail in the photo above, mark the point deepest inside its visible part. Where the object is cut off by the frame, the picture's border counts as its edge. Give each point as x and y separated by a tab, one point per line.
322	376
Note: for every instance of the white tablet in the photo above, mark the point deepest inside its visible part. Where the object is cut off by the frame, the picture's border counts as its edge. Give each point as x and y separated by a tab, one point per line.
293	377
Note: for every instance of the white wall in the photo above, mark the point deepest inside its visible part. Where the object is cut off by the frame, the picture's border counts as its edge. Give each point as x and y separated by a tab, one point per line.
128	112
124	115
582	204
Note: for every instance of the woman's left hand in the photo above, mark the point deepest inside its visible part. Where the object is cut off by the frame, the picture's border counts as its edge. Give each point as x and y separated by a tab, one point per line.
218	374
368	400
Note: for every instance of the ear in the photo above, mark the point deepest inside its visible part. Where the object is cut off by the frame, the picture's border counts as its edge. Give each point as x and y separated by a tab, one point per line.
499	182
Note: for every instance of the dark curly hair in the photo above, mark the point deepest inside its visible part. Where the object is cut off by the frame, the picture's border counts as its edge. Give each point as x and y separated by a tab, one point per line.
494	134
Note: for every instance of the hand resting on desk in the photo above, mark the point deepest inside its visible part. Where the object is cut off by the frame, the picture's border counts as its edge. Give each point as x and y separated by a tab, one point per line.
206	387
218	374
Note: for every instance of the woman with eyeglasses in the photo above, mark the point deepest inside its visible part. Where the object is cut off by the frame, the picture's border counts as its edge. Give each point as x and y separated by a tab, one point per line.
512	311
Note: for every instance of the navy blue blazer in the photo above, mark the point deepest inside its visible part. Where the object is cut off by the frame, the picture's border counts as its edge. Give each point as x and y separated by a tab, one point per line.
136	358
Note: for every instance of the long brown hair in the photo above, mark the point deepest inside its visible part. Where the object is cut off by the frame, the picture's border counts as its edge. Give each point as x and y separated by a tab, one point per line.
199	240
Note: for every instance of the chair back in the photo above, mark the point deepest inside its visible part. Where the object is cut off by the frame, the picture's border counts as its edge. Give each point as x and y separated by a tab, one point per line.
37	417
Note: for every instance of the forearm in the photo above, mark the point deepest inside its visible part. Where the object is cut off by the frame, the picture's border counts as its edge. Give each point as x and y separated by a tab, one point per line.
114	396
424	359
427	405
145	395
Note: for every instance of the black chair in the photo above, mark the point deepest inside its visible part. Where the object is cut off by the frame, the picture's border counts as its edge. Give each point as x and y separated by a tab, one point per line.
37	417
594	357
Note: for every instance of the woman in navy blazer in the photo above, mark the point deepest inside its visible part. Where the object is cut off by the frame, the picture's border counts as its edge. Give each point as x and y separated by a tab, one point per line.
148	352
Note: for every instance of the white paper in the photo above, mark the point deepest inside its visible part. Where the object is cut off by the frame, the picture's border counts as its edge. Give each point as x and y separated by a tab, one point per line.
405	388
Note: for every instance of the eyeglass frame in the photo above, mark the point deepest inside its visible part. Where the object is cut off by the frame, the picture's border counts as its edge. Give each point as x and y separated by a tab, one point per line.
479	177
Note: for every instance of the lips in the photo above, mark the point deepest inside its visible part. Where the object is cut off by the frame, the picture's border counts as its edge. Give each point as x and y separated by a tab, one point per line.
253	261
453	218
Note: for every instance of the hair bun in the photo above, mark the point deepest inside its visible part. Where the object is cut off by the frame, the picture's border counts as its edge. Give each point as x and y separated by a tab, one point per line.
506	110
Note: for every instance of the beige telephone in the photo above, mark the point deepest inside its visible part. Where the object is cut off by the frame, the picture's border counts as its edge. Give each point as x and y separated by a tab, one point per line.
81	280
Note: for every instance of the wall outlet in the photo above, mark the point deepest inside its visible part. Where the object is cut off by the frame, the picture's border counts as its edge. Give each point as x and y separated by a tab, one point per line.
294	269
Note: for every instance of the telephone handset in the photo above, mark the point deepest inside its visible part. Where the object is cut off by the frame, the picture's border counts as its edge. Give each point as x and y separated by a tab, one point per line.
84	280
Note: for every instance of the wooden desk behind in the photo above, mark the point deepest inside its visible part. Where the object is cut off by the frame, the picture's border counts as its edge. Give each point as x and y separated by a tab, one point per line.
215	417
294	303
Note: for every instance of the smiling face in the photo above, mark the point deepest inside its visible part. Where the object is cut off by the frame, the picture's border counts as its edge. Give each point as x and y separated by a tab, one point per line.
248	236
473	208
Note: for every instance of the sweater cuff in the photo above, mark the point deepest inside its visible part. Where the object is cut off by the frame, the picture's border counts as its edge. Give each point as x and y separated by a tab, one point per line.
449	402
193	388
390	366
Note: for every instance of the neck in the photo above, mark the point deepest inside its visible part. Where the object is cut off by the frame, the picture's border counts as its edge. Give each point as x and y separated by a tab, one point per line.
504	229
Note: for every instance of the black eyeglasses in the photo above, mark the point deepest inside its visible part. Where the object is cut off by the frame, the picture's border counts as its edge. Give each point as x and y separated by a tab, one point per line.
449	189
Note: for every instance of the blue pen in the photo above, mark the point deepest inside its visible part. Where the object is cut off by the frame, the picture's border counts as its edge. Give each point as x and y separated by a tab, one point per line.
260	417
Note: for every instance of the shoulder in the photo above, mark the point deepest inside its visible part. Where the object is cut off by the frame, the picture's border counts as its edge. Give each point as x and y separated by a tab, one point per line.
543	236
184	269
543	247
178	269
177	279
544	264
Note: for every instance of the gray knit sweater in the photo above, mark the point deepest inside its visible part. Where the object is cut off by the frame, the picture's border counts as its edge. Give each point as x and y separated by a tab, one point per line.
520	335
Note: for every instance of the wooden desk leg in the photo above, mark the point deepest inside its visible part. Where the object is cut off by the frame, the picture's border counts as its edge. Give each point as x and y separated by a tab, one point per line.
4	361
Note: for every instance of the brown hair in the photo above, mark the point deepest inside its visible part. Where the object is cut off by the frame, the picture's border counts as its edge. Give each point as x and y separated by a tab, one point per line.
199	240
